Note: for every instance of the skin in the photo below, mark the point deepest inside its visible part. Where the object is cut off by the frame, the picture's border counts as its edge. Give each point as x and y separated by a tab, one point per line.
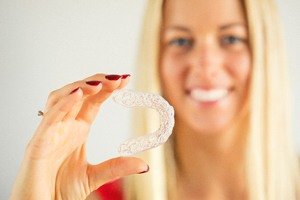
55	165
204	46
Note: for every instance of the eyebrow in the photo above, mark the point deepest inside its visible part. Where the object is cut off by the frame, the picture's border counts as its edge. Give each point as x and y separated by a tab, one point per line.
226	26
178	28
185	29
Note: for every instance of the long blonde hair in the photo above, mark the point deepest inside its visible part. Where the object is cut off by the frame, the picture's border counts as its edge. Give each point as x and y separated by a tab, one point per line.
272	166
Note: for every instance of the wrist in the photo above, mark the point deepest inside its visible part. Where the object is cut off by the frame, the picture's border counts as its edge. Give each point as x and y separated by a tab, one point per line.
33	181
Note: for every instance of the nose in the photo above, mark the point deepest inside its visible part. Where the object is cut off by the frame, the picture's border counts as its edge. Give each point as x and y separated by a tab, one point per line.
206	60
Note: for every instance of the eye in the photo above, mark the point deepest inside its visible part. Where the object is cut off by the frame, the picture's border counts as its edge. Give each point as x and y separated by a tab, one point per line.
231	40
181	42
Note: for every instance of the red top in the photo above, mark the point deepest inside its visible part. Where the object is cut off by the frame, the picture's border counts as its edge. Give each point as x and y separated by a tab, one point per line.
111	191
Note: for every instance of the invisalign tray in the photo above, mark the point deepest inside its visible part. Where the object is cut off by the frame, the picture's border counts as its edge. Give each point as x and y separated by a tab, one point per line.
129	98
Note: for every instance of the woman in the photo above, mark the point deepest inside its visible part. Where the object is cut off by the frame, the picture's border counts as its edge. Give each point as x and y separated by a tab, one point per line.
221	65
240	148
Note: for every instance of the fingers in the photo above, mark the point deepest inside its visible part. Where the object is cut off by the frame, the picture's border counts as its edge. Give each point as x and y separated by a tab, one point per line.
62	108
125	79
113	169
92	103
95	89
88	88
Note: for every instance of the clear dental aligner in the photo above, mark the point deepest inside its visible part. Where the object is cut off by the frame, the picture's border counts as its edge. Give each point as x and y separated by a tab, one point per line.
129	98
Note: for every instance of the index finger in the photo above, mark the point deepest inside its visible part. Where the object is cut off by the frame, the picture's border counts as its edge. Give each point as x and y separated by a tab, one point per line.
91	104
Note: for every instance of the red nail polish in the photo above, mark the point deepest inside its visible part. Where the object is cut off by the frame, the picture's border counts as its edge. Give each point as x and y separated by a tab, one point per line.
147	170
74	90
125	76
93	83
113	77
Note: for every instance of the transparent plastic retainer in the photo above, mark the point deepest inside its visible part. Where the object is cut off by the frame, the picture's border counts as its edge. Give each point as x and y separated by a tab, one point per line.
130	98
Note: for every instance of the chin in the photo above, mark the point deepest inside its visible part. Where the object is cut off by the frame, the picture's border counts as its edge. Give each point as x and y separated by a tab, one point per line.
213	126
210	130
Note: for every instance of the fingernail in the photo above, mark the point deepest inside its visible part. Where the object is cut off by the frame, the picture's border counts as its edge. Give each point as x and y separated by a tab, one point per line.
93	83
125	76
113	77
74	90
147	170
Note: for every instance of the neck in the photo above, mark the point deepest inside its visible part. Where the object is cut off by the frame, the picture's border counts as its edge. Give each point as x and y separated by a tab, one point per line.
210	164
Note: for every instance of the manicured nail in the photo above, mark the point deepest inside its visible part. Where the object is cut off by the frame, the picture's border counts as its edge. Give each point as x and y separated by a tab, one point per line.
74	90
125	76
93	83
147	170
113	77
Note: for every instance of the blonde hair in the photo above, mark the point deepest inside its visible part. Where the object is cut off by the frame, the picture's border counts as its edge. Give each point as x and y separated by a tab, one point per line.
271	163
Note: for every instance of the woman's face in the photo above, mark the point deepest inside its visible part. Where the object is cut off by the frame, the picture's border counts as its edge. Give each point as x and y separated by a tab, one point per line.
205	62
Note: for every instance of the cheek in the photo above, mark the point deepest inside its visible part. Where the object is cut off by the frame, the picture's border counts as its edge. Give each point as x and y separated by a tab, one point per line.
239	66
171	72
172	79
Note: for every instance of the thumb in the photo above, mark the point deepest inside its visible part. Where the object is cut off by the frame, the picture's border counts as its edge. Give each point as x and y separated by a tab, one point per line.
114	169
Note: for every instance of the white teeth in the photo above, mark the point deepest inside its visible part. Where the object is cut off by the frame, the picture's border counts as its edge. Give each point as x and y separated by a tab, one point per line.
208	95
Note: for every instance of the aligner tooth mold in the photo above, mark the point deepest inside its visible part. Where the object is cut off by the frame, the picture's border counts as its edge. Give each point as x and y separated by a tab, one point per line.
130	98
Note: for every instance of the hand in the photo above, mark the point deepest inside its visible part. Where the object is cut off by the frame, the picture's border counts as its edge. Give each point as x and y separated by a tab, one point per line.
55	165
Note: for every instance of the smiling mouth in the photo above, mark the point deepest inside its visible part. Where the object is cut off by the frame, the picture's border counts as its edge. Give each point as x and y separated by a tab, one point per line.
208	96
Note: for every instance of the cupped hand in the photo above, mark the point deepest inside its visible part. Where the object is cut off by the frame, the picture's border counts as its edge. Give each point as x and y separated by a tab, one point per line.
55	165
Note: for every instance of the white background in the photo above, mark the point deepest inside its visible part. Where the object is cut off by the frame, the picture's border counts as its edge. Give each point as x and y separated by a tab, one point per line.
47	44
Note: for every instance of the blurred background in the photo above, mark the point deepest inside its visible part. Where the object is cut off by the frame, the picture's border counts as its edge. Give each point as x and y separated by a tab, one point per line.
47	44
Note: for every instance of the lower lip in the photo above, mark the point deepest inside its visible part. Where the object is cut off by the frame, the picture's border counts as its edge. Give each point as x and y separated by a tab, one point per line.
209	104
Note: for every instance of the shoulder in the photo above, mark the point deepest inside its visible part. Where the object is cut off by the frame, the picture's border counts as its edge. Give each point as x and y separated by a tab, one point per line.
111	191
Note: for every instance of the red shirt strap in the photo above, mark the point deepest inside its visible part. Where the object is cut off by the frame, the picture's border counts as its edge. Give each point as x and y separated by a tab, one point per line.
111	191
